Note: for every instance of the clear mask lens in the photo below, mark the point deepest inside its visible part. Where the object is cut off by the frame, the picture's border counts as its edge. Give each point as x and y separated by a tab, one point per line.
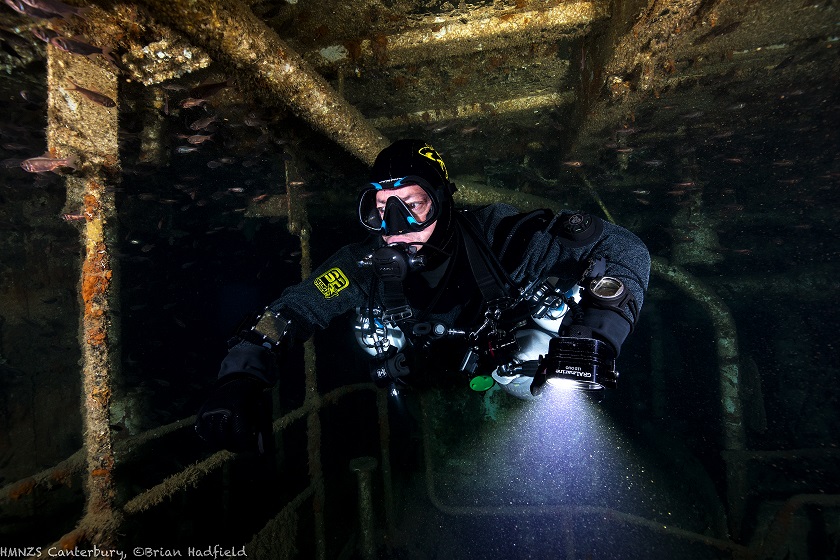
414	212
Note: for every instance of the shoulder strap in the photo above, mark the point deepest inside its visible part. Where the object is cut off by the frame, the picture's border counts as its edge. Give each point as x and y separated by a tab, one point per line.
493	282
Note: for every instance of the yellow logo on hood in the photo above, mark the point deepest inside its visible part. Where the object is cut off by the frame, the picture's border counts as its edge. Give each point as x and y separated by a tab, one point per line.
429	152
331	282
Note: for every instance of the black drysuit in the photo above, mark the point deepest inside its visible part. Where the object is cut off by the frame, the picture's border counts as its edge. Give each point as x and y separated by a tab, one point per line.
538	247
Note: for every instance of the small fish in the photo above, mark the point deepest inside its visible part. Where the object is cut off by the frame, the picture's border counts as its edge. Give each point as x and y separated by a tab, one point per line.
206	90
717	32
186	149
43	33
199	138
30	97
174	87
12	147
192	102
94	96
574	163
44	163
74	46
22	8
252	120
203	123
60	9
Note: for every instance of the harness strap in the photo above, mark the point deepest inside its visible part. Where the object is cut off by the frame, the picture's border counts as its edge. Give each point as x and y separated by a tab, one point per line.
493	281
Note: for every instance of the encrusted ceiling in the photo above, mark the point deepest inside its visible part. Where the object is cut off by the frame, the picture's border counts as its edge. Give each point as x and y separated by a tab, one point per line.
544	86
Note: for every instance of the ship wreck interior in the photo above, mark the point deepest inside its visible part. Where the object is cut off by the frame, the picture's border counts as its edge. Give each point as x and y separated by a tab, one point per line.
201	155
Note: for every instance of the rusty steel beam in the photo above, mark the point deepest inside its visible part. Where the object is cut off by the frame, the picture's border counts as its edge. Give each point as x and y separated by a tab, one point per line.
230	33
527	104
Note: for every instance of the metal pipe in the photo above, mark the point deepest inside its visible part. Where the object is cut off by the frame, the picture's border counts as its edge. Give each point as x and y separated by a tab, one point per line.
233	35
729	381
726	345
363	467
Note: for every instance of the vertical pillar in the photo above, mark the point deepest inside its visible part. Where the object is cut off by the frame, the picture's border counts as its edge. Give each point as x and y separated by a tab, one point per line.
385	450
80	126
299	225
363	467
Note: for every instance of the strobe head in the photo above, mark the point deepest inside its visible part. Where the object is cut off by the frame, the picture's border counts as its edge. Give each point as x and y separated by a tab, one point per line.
585	364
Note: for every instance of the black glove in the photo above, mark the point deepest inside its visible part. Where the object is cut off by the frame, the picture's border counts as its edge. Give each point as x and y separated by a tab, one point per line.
237	415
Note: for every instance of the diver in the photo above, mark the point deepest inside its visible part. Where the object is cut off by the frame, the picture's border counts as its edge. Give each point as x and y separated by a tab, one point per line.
488	296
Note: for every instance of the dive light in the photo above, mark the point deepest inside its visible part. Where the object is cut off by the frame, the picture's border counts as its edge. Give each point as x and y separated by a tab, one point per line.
583	363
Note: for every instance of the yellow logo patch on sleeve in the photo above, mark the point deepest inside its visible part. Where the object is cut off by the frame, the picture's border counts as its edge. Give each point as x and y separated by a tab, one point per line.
331	282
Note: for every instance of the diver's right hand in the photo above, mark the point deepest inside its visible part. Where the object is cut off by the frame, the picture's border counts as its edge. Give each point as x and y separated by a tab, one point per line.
234	417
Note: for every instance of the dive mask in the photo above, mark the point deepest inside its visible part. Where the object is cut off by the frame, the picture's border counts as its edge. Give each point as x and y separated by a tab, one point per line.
397	216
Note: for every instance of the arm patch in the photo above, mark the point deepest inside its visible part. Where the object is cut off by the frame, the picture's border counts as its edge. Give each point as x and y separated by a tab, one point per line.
331	282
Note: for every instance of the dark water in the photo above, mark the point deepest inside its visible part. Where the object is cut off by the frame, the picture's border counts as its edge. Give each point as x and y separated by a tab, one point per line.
747	208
